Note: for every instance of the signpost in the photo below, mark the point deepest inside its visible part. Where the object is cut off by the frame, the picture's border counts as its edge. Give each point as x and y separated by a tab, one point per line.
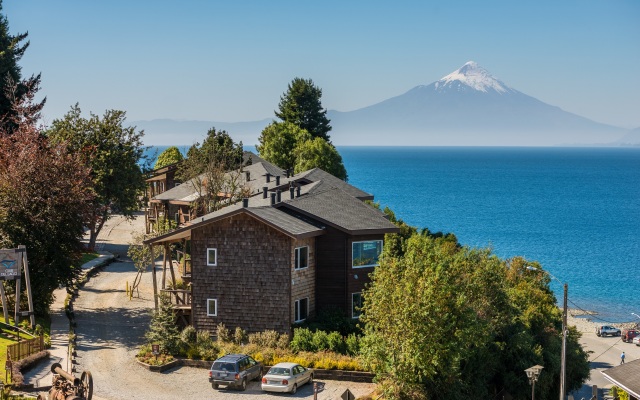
12	263
155	349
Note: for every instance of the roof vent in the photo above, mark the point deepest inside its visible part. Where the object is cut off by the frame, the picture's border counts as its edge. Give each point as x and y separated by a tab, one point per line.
268	177
279	194
288	173
245	202
297	191
247	176
291	192
273	198
278	180
264	192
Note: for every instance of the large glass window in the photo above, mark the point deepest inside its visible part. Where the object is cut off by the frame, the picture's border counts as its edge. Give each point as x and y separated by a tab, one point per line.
302	257
301	310
356	305
212	307
366	254
212	257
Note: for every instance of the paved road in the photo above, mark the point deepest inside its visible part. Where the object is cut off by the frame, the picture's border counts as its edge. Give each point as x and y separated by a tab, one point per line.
111	328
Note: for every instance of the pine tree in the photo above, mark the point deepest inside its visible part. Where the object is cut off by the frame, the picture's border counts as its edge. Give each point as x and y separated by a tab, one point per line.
301	106
163	329
12	87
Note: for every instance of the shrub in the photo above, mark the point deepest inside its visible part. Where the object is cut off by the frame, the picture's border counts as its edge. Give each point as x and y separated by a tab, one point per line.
302	340
320	341
268	339
189	335
223	333
336	343
352	345
283	342
239	336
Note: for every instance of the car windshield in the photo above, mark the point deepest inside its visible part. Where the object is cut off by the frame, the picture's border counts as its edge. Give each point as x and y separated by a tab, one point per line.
223	366
279	371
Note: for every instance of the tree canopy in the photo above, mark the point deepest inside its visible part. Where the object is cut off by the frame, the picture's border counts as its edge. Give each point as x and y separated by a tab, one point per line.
213	168
113	152
301	106
45	198
318	153
14	88
171	155
471	326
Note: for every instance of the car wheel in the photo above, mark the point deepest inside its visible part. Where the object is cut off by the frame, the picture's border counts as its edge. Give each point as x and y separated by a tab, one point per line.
214	385
294	389
311	379
243	384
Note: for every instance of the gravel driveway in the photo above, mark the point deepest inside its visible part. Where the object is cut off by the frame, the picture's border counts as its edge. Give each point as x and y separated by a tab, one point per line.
111	327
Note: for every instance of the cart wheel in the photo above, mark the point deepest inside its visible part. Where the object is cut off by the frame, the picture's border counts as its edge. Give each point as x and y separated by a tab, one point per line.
87	384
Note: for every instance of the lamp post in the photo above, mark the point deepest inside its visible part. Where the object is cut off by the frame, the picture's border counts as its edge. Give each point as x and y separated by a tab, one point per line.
563	358
533	373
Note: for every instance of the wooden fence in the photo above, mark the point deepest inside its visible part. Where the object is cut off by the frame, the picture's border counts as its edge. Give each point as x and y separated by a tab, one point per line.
25	348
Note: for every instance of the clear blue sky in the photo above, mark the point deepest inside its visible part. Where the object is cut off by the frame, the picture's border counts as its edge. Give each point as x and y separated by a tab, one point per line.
231	60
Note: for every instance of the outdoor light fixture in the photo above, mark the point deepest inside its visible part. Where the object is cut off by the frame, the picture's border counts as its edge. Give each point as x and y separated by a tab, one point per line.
563	355
533	373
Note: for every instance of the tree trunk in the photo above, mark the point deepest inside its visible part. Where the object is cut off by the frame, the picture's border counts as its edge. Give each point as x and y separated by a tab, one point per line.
94	229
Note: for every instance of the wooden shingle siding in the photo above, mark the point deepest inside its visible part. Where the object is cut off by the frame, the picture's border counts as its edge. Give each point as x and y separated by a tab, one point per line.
304	280
331	253
252	279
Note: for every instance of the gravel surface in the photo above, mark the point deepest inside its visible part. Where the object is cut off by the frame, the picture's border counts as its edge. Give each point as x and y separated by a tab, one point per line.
111	327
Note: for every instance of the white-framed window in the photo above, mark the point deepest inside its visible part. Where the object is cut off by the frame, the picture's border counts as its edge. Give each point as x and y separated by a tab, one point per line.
356	305
212	307
212	257
301	310
302	257
366	254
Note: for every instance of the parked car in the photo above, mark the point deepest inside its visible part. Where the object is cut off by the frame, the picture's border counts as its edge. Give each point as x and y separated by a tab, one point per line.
636	340
234	370
286	377
606	330
629	334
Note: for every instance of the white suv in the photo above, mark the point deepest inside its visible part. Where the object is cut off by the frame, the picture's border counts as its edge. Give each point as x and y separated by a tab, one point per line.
606	330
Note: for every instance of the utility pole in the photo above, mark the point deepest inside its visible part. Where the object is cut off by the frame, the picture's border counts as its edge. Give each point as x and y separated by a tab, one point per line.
563	365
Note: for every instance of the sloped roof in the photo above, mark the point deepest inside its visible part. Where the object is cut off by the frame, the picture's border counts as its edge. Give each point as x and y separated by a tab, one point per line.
255	159
626	376
316	174
341	210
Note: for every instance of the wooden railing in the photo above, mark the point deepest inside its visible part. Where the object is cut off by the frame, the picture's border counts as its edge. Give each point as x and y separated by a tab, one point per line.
180	298
25	348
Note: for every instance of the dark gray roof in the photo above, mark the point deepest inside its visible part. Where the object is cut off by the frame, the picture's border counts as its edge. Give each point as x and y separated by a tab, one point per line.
277	219
341	210
269	167
316	174
183	192
626	376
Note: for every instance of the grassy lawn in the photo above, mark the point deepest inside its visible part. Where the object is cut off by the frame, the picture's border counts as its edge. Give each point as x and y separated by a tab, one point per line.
86	257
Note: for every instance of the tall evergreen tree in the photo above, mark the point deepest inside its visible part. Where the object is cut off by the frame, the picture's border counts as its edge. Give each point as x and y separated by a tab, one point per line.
301	106
13	87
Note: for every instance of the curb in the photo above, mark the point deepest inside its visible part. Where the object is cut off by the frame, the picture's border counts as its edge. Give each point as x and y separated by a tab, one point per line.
331	374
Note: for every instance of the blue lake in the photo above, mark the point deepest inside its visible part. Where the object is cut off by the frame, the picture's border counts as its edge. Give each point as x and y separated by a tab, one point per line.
574	210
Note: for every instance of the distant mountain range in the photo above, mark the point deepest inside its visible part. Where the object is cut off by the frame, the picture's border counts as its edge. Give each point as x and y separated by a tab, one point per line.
467	107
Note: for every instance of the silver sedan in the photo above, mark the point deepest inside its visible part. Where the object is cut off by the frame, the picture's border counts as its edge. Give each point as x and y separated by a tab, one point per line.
286	377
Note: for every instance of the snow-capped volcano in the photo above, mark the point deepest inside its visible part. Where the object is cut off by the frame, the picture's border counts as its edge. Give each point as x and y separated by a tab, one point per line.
473	76
471	107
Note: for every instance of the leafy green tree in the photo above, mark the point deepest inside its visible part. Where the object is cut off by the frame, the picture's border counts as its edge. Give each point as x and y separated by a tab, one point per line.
301	106
113	153
163	329
45	197
471	326
214	168
318	153
278	143
13	88
171	155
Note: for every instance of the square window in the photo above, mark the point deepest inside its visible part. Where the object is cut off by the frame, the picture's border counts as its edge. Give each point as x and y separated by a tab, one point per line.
302	257
366	254
301	310
212	257
212	307
356	305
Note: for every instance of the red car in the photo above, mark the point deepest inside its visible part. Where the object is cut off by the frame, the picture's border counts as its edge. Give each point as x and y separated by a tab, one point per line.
629	334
